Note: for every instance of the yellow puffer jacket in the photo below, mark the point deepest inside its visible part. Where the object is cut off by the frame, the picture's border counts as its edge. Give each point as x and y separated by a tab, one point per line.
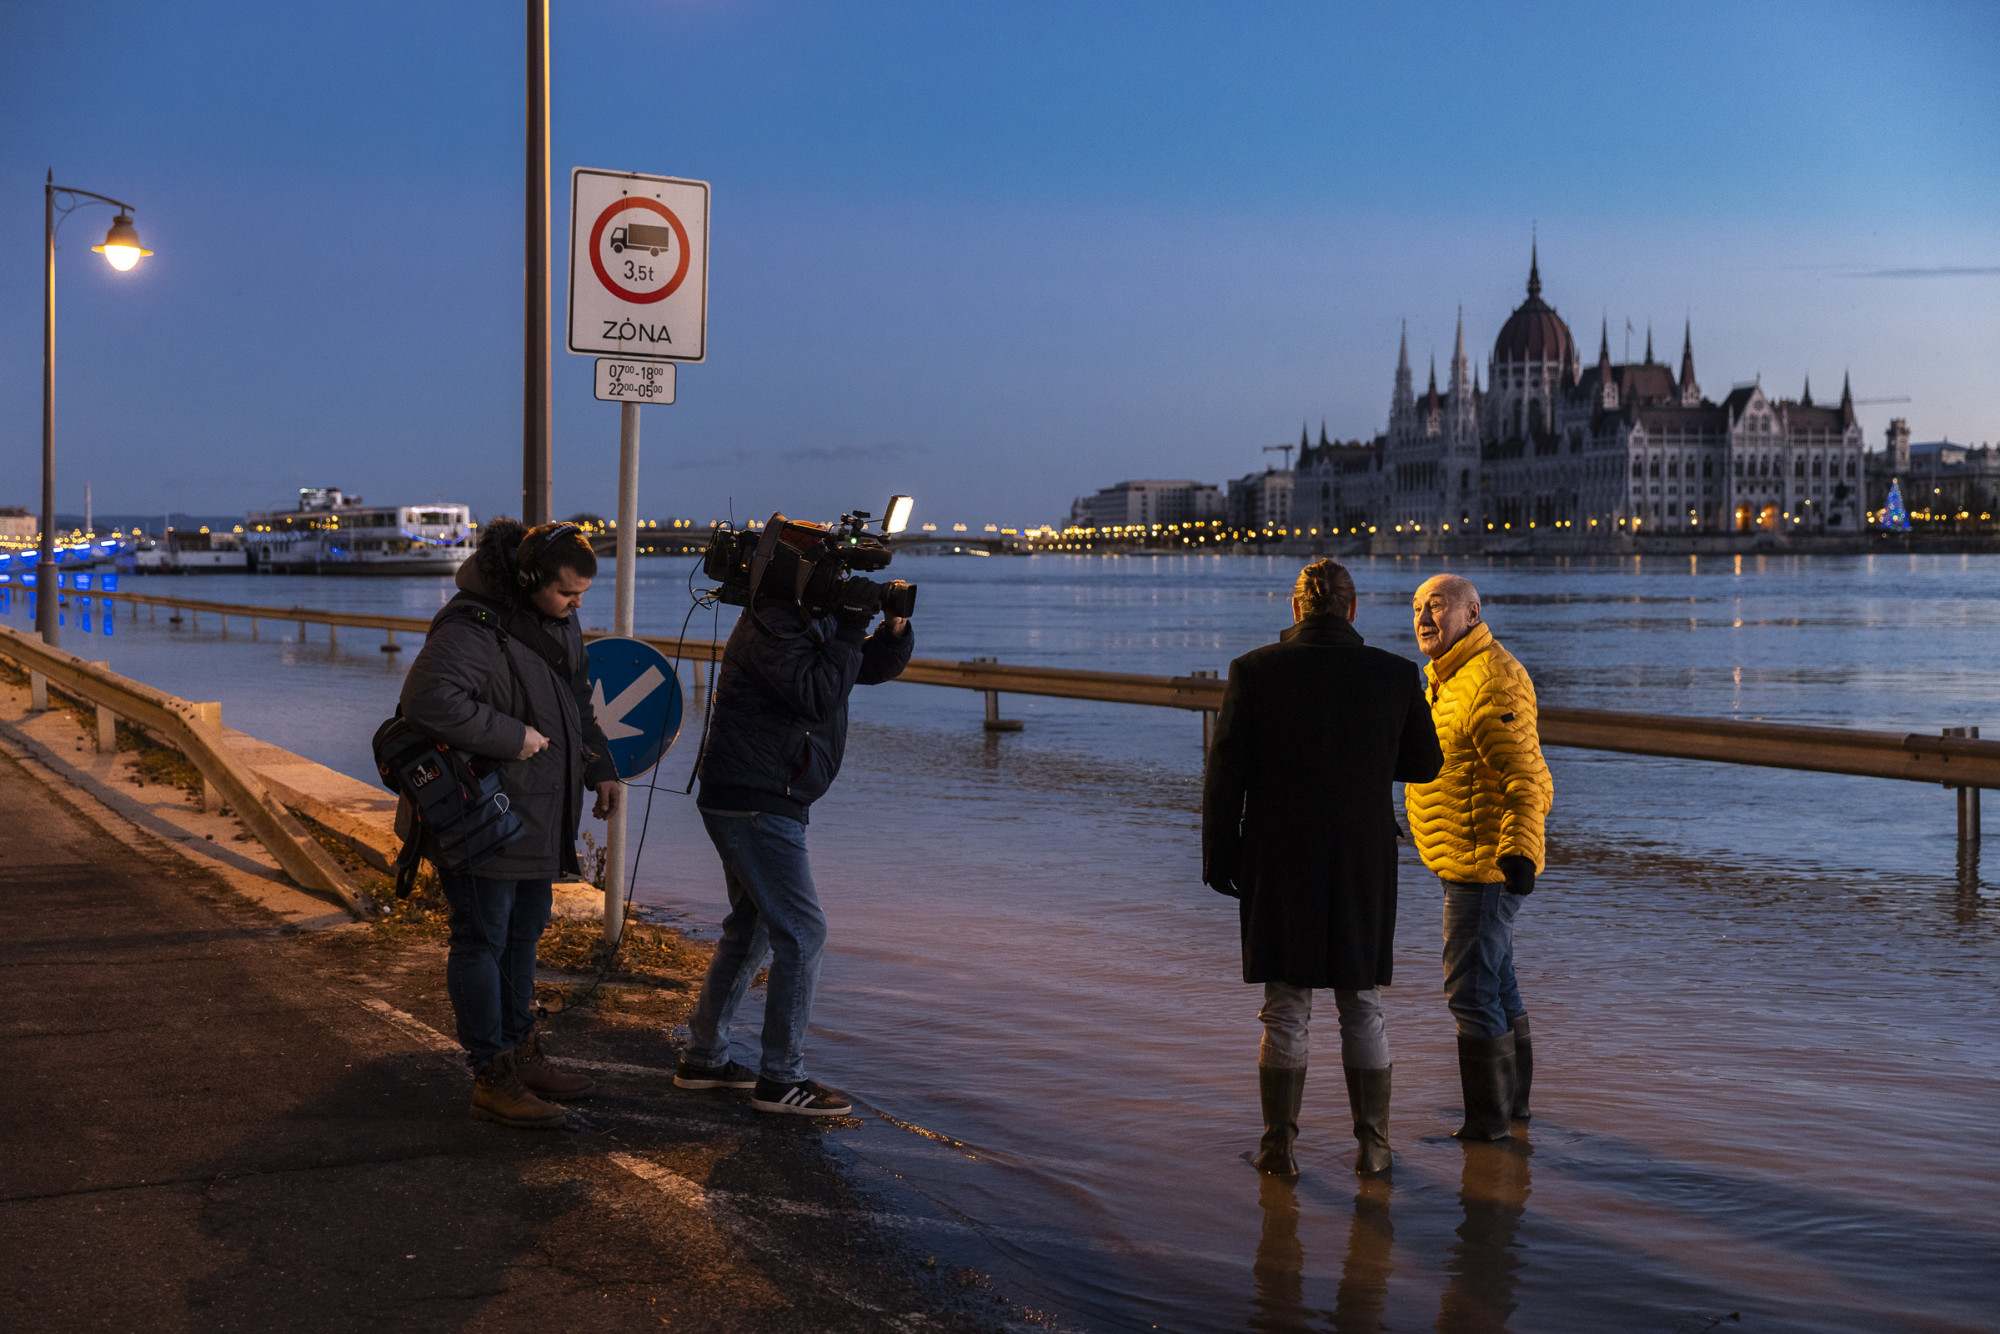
1491	796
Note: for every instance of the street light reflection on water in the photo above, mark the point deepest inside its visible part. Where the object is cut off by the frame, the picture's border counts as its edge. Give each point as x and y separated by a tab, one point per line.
1763	1001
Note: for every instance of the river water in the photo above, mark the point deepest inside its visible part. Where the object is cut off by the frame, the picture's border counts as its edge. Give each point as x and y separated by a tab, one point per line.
1765	1002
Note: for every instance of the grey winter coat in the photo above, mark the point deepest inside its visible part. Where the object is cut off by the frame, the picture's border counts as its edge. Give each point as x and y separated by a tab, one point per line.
780	724
468	692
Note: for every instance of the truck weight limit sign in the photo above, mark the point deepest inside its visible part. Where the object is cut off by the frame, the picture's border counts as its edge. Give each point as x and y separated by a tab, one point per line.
638	266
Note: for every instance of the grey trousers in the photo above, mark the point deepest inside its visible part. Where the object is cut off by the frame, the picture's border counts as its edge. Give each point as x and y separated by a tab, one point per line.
1287	1013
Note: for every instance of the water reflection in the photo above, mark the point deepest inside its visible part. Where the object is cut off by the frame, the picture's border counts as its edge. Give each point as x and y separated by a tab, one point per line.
1279	1270
1363	1294
1969	900
1484	1263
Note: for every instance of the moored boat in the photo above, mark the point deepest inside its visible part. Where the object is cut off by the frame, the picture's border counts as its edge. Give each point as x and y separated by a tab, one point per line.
184	552
333	533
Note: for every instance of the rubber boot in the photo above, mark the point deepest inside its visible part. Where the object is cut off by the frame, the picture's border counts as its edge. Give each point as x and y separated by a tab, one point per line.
544	1080
499	1096
1282	1089
1524	1066
1368	1098
1486	1072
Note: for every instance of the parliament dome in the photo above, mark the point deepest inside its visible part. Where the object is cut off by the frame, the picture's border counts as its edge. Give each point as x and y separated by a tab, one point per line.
1534	332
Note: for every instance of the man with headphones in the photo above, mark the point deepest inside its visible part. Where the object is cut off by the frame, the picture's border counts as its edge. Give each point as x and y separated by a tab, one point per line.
503	676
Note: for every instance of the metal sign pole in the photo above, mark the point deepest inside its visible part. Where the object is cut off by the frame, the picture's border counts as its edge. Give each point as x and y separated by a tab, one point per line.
623	598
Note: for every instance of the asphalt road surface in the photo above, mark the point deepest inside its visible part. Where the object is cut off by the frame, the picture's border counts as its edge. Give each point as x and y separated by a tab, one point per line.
211	1124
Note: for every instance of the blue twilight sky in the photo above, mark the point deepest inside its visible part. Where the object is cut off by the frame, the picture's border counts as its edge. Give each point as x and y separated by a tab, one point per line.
992	255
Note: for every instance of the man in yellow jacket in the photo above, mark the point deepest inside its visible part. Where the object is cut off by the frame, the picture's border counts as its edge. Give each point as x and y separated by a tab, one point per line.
1478	826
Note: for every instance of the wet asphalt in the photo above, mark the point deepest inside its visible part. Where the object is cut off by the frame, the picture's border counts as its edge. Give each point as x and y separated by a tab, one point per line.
211	1124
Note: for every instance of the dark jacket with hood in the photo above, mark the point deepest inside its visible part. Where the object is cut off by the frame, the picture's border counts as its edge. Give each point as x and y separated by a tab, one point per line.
780	724
1296	814
469	692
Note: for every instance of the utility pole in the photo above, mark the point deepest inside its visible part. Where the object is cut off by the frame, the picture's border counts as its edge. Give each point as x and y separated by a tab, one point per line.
537	489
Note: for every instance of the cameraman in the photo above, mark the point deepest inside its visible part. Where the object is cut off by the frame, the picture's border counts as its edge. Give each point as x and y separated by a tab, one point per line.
779	727
503	675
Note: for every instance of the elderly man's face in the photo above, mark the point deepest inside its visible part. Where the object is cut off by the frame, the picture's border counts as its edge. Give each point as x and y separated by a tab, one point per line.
1443	614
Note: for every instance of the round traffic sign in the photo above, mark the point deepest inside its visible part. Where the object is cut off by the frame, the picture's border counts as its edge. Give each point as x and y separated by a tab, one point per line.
637	699
640	260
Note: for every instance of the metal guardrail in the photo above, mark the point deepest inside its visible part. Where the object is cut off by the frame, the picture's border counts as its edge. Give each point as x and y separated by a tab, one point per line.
1948	761
1911	756
197	735
301	616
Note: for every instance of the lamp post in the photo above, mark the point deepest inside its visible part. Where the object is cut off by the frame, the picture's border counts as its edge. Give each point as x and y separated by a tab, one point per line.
121	247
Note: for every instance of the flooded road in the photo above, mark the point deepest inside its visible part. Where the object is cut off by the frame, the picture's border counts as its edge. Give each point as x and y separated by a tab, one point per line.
1758	1092
1764	1003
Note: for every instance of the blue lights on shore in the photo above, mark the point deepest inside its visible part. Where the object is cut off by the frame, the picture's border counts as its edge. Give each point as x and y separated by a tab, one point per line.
73	590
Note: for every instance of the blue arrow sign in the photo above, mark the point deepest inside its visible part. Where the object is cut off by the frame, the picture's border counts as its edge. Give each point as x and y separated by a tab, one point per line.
637	699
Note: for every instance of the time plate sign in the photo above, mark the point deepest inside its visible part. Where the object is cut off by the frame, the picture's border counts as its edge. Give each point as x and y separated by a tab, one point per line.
626	381
638	267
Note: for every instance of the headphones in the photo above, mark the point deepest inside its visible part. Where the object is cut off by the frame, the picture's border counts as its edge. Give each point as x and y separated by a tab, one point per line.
527	558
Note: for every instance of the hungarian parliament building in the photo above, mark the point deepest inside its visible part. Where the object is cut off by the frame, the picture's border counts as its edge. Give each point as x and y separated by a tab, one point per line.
1549	443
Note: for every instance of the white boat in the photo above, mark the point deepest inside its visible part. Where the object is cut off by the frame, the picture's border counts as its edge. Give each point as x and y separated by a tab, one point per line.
182	552
334	533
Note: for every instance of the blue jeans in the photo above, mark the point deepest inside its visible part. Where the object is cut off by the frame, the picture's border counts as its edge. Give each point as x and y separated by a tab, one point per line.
490	969
1479	983
774	910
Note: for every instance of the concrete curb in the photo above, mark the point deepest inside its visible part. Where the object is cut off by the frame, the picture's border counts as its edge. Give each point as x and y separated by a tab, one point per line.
146	818
362	815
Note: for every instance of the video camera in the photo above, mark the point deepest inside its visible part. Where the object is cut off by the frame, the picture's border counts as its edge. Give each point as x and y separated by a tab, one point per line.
811	566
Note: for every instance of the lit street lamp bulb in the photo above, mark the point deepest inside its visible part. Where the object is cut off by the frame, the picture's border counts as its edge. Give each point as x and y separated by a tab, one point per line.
121	244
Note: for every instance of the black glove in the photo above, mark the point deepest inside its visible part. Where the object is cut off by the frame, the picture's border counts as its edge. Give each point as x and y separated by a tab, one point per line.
1520	873
857	603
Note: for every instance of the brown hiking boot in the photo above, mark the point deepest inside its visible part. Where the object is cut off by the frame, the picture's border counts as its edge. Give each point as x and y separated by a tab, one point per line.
499	1096
543	1079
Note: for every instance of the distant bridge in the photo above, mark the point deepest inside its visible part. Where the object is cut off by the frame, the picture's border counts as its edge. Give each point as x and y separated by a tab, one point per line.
989	544
693	541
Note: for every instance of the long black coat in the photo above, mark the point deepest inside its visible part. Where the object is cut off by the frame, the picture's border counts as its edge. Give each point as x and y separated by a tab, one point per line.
1296	814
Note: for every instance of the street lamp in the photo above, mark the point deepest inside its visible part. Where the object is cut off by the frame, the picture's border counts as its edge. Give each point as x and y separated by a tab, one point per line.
121	244
121	247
